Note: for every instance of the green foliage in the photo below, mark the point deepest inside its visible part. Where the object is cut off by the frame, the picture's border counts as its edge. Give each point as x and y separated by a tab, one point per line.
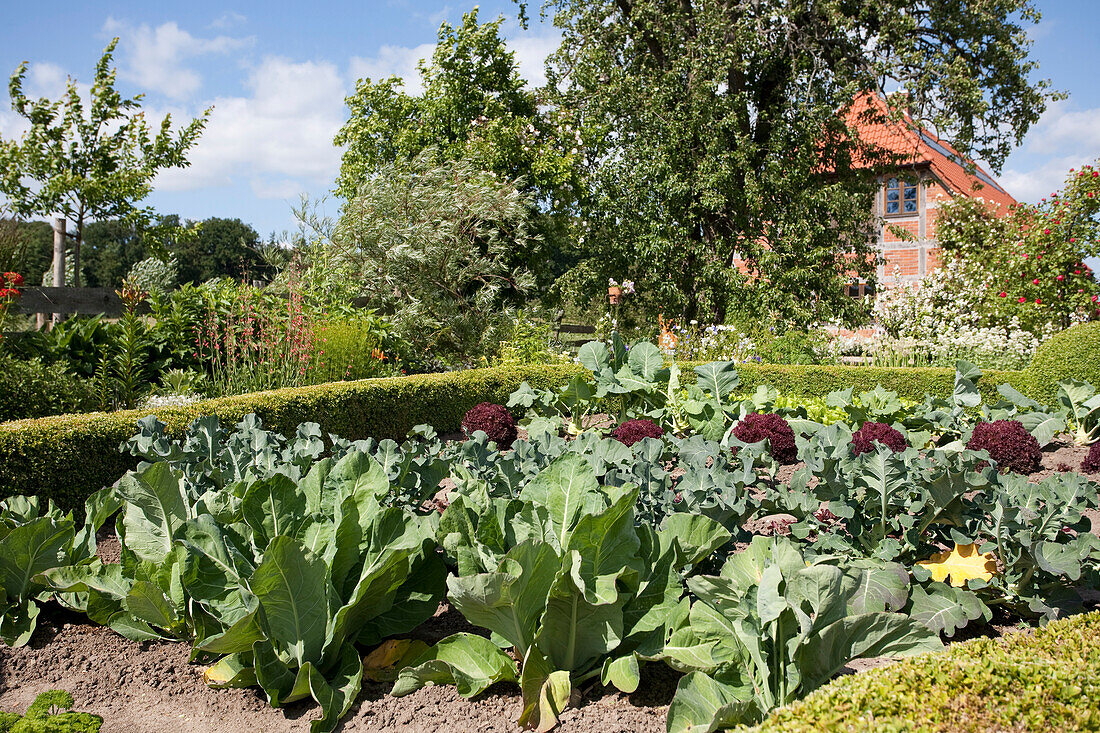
711	130
475	107
51	712
772	627
67	458
153	275
30	388
354	347
1031	680
93	162
219	248
429	245
565	577
33	539
1070	354
280	571
1032	261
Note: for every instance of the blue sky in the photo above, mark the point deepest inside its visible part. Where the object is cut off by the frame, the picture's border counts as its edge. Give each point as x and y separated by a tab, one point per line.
277	73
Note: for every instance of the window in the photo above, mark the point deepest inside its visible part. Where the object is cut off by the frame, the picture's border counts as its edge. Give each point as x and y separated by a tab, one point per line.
901	197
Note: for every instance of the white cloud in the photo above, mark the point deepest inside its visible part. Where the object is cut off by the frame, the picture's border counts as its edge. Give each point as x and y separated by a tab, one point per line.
1062	127
156	57
397	61
280	134
1064	138
228	19
1035	183
531	52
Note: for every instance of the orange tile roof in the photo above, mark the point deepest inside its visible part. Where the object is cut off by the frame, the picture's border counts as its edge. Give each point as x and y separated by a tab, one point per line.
917	146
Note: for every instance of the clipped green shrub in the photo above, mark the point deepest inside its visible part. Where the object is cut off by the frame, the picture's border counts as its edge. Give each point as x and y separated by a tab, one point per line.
30	388
1071	354
51	712
66	458
1047	679
911	383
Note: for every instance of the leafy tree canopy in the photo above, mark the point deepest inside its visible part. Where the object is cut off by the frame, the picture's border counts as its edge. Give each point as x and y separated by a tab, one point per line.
88	161
475	106
717	128
428	244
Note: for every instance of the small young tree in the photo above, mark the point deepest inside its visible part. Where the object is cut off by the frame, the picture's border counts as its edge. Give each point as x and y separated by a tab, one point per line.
88	162
429	243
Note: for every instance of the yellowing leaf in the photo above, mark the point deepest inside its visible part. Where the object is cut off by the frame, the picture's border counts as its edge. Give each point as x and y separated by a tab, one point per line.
961	564
383	664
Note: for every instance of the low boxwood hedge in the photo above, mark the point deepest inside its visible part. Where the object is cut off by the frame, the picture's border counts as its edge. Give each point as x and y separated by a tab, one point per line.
1043	680
65	458
911	383
1070	354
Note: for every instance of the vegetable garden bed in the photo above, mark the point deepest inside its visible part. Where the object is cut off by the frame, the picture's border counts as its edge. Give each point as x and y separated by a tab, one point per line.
582	574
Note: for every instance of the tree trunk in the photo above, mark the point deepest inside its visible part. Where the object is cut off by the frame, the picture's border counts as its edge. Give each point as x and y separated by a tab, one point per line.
76	249
58	262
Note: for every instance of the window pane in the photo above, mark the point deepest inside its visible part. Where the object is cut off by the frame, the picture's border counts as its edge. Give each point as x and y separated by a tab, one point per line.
892	195
891	207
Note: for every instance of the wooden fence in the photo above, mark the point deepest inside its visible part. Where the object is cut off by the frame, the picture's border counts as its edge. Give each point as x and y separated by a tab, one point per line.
85	301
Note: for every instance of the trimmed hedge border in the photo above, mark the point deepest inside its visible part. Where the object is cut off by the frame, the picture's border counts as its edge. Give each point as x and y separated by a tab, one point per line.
811	380
1043	680
67	457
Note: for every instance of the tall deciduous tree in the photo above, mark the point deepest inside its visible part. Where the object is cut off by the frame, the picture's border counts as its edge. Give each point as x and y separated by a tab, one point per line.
718	128
474	106
89	161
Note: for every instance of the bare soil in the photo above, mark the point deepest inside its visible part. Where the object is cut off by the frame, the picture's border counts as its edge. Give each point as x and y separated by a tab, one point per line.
152	688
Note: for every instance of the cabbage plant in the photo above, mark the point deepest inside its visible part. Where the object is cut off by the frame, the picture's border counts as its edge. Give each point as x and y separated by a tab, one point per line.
771	627
280	578
33	539
565	578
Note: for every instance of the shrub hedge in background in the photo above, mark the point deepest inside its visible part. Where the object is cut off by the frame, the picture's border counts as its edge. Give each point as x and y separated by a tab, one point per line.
66	458
1070	354
30	388
1043	680
910	383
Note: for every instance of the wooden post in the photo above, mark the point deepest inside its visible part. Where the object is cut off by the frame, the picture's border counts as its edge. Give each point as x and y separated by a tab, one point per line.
58	257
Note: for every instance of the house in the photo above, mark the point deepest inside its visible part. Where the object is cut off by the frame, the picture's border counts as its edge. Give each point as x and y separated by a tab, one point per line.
907	205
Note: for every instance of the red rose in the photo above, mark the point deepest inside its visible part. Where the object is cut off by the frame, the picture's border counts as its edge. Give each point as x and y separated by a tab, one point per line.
1038	301
1002	294
1022	299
